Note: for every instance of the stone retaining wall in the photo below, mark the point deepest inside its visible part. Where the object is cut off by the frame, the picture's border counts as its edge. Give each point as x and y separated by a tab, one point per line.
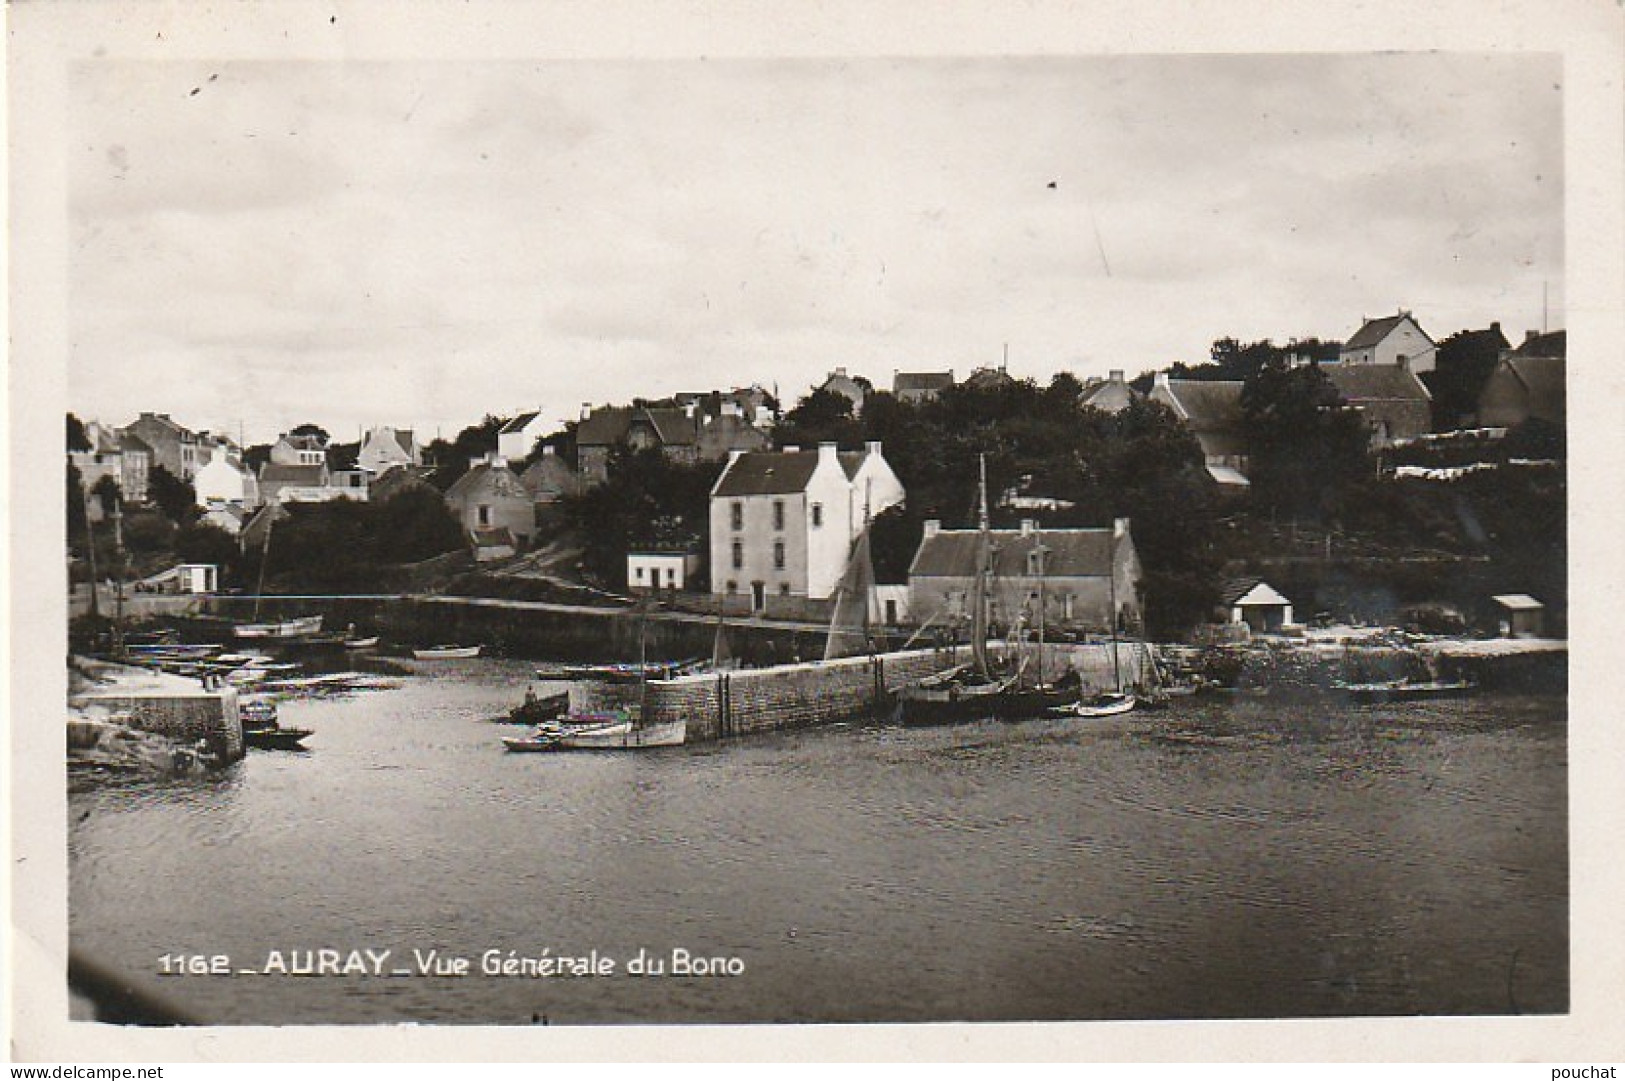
210	716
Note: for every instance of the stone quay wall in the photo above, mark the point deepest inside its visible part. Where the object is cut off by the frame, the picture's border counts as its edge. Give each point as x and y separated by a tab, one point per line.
721	704
181	715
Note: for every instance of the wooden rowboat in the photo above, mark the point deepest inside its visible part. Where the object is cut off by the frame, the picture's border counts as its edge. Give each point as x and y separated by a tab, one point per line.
442	653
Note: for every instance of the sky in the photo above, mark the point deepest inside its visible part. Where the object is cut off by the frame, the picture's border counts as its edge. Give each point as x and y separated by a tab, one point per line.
257	244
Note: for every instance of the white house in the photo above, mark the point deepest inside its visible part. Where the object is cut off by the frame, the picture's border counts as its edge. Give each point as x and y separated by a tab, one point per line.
649	571
783	522
224	480
385	447
1391	340
516	438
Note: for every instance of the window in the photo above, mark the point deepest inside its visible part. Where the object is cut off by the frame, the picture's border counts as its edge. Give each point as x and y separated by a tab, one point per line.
784	589
736	517
778	555
778	514
640	574
1035	563
671	576
733	586
739	555
817	515
485	514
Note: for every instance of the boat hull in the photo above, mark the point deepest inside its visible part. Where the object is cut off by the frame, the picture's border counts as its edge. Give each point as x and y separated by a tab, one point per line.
612	736
1404	692
288	628
446	653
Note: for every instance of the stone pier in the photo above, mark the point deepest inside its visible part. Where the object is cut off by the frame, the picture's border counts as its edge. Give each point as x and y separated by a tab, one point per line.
170	706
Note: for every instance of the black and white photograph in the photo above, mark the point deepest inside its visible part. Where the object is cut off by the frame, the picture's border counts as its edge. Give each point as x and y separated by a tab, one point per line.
748	525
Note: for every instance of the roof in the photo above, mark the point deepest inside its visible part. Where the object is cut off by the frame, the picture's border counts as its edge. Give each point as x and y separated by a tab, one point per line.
1069	553
1250	591
612	423
496	479
1543	379
304	442
1521	601
769	473
1555	344
303	475
1376	382
517	424
1207	403
921	381
1375	330
128	441
549	473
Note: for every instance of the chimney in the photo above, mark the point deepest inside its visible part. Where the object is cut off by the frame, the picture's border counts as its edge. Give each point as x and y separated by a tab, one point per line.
791	448
826	452
873	447
1160	379
1029	526
932	527
1117	375
1119	527
1495	327
548	450
586	410
840	372
1530	335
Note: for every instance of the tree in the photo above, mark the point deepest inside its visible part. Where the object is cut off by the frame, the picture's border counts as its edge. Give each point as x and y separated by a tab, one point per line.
77	522
821	417
312	429
646	500
174	496
415	524
203	542
451	459
1462	365
107	492
1308	449
77	439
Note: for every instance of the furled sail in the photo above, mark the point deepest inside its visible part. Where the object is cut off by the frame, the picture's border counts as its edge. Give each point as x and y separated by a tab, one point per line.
849	625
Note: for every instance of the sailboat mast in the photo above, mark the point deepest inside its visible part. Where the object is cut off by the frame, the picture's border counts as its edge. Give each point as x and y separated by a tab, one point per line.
265	558
1111	581
1039	536
979	616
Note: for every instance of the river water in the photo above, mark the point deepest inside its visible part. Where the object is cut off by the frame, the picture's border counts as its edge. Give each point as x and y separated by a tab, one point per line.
1222	859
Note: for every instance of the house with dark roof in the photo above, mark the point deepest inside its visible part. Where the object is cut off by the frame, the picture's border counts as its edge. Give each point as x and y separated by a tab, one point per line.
1084	578
672	430
847	387
1110	395
1538	343
920	386
549	479
1212	410
783	522
299	450
384	447
989	378
1524	388
1391	398
173	446
516	438
1390	340
280	483
491	496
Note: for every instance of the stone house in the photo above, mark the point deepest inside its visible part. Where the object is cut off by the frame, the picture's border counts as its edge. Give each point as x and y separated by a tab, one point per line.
1390	340
1084	577
491	496
1394	402
299	450
916	387
1212	410
173	446
782	523
104	459
670	429
309	484
135	467
224	480
847	387
1523	388
1110	395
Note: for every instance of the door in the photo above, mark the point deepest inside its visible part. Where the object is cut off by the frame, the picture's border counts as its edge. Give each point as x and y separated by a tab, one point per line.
758	596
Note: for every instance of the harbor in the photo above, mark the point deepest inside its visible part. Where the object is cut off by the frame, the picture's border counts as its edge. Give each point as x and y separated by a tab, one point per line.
1232	856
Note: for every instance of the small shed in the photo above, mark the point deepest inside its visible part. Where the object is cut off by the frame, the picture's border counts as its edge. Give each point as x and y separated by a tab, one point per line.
1520	615
491	544
1256	603
648	571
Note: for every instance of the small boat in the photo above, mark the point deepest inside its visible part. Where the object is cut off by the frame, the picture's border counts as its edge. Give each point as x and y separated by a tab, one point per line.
277	738
303	627
936	700
621	672
1404	690
445	653
610	736
1108	704
539	709
361	643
